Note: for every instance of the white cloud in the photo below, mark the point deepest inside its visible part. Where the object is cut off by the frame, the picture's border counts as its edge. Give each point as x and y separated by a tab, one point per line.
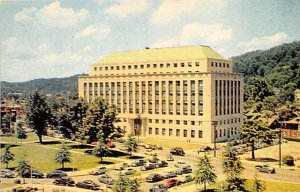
43	48
26	14
52	15
125	8
12	47
170	10
264	42
87	48
94	31
196	33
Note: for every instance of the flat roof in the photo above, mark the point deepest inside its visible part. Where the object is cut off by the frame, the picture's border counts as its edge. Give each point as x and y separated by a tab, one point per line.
161	55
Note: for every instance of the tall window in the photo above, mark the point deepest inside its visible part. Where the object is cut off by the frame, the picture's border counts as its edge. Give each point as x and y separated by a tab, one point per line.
200	134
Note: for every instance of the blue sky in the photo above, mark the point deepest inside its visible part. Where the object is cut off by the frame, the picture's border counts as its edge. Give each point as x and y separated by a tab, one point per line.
43	39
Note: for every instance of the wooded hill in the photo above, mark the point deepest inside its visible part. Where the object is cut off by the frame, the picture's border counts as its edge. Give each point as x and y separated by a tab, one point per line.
278	66
66	85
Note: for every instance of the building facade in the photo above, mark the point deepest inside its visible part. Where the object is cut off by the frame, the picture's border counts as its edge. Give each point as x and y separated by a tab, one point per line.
170	93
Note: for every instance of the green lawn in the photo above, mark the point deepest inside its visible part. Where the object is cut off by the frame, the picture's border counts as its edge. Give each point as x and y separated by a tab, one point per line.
6	185
42	155
14	139
271	186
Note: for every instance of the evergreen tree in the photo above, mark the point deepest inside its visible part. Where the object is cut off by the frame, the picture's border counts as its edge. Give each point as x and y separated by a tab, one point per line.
7	156
38	114
6	121
258	185
21	133
63	156
99	122
124	184
233	168
23	169
205	172
131	145
101	150
254	130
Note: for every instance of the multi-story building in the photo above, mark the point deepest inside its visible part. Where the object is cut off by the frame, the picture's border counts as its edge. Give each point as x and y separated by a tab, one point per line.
170	93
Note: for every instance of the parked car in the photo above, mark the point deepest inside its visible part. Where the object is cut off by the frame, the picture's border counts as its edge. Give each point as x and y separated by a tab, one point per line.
154	177
149	146
35	174
158	146
171	183
186	178
139	162
99	171
56	174
6	173
128	171
177	151
88	184
170	157
157	188
110	144
170	174
162	164
185	170
122	167
153	159
265	168
148	167
106	179
65	181
205	149
151	153
181	164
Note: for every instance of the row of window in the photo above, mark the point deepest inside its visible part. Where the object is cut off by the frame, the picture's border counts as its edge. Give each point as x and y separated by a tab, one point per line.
147	66
224	65
219	133
177	132
178	122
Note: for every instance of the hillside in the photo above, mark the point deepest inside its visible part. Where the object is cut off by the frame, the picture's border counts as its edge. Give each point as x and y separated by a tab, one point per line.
52	85
278	66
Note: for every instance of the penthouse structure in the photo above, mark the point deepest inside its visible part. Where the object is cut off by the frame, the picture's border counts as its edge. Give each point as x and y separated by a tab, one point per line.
176	93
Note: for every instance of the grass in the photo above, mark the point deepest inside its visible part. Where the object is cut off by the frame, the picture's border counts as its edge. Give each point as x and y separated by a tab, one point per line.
6	185
271	186
14	139
42	155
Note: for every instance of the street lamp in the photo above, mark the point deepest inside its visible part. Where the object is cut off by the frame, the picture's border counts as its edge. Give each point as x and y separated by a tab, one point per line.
215	123
279	149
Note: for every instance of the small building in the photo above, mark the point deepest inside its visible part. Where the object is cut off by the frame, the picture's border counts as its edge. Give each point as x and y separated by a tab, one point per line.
291	129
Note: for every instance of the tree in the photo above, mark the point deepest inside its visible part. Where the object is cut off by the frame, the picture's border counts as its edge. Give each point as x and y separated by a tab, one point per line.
6	121
7	156
63	156
99	122
23	169
131	145
21	133
124	184
258	185
256	92
233	168
205	173
254	130
38	114
101	150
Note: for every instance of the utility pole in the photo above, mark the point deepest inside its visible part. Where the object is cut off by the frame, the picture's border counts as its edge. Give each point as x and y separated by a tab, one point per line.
215	123
279	150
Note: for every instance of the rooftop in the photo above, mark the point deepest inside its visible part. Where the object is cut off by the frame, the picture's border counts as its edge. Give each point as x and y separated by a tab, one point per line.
161	54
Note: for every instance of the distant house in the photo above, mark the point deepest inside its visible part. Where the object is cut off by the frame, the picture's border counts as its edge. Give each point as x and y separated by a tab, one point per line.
16	111
291	129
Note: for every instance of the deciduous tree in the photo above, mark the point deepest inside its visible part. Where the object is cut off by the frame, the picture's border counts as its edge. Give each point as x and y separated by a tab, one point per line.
124	184
38	114
131	145
99	122
21	133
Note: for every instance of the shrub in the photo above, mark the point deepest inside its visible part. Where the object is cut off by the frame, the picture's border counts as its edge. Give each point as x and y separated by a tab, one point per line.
288	160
